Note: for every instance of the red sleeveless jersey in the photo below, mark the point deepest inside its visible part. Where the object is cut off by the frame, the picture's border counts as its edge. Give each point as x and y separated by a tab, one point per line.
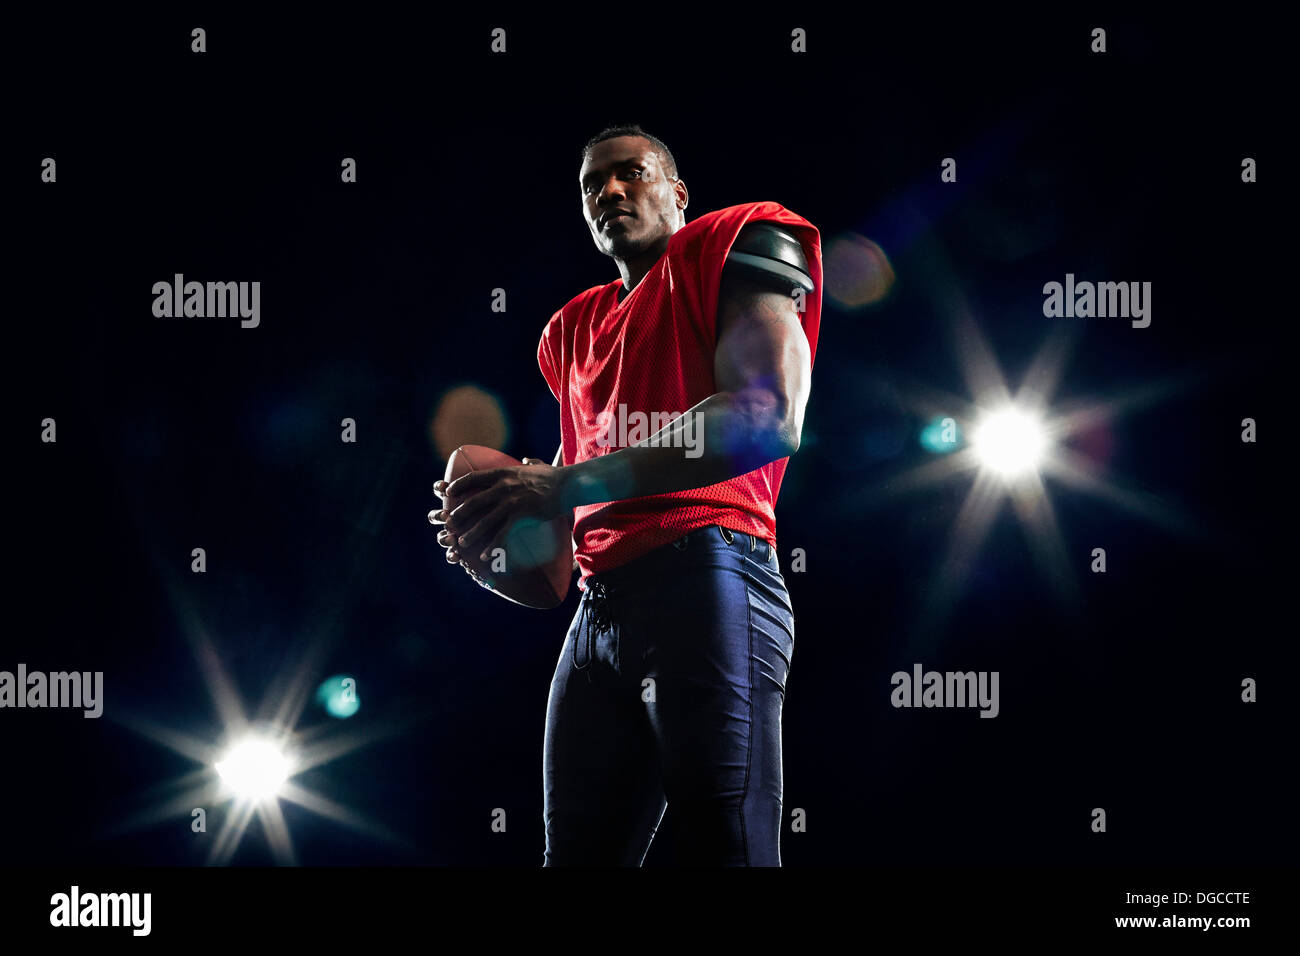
653	353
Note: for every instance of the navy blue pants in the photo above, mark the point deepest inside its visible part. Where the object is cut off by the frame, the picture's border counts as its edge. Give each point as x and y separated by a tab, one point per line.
668	695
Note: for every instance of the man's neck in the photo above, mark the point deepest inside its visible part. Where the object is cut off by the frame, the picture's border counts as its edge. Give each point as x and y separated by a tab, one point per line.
634	270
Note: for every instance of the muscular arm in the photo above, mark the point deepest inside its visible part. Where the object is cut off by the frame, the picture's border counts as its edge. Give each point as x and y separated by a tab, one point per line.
762	370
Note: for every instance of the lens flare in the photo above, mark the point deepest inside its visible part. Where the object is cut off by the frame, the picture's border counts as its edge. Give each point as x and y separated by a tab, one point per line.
1010	442
255	769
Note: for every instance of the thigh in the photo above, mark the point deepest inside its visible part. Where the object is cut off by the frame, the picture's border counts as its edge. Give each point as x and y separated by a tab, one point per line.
718	644
603	795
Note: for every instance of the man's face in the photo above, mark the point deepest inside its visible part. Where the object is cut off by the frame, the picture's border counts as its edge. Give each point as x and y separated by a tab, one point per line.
625	174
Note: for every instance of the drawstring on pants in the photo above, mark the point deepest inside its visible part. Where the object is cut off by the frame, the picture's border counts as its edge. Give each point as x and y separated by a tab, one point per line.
597	608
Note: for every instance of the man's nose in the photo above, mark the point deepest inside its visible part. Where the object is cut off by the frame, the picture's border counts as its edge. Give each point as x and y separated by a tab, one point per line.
610	193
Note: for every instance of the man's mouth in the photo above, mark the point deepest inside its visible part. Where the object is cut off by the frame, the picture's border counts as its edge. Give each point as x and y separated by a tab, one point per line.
614	217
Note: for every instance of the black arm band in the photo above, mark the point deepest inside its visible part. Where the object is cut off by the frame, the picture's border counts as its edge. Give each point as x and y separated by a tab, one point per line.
766	252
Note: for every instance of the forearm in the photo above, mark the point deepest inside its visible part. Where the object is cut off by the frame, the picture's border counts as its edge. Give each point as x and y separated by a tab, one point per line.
726	435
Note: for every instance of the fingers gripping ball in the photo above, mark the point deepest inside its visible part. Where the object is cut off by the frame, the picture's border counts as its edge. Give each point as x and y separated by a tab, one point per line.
538	555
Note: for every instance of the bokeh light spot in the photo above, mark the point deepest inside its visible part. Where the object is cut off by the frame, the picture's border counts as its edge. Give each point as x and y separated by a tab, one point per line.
468	415
941	435
856	272
338	695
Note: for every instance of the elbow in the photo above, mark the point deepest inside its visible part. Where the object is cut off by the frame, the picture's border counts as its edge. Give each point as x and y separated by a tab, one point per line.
787	439
784	431
771	426
788	423
786	420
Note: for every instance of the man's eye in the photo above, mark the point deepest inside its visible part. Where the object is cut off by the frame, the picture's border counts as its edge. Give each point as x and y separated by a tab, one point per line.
634	172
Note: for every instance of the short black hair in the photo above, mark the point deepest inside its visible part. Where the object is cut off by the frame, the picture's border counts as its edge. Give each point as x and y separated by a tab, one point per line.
610	132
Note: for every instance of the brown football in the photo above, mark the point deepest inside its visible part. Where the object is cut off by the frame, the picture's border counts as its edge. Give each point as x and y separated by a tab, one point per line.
535	560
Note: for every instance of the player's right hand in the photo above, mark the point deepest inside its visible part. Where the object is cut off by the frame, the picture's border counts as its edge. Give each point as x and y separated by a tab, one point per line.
445	538
439	516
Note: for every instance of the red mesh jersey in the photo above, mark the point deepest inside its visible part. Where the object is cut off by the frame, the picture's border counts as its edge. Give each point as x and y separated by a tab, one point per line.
653	353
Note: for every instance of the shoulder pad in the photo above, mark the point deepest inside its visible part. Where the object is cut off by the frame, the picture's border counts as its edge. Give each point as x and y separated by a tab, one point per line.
765	251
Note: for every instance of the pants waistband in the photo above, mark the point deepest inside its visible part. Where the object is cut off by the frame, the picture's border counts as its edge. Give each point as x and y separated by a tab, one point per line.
741	541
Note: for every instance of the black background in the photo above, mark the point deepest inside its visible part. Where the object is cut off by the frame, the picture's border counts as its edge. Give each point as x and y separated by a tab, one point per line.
174	434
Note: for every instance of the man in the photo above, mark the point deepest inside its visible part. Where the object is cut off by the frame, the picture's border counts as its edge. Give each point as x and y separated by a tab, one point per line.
669	688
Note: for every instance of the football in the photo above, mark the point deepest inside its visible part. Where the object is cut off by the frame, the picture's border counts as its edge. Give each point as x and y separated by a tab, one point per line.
531	563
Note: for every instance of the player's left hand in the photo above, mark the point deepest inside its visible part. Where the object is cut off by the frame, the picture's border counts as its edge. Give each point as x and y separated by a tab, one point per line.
494	499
